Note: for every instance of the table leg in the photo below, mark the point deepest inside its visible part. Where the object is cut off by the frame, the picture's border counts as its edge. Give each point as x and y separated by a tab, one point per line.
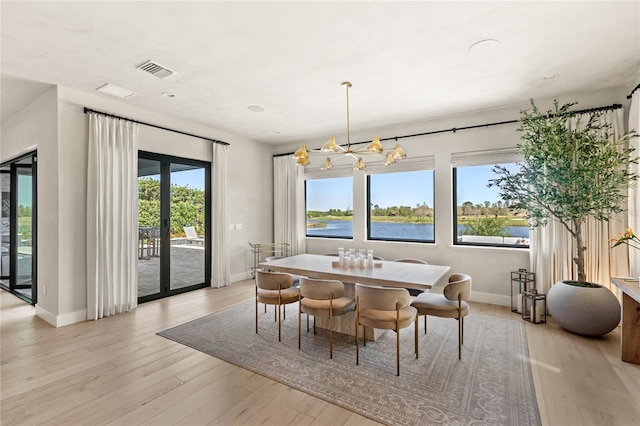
630	330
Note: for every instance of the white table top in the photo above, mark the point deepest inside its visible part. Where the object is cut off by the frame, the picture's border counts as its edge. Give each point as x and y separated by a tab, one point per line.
629	286
392	274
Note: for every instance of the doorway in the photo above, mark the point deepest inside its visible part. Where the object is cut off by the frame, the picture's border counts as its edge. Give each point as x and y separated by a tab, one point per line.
18	262
173	225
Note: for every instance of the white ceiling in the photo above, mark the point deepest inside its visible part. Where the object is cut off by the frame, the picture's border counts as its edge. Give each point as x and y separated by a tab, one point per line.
408	61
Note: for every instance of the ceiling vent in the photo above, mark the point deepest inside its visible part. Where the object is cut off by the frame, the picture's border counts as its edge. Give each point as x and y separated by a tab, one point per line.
156	69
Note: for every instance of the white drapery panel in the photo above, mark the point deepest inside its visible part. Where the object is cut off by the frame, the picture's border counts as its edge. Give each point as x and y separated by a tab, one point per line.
552	251
112	216
220	262
634	190
289	221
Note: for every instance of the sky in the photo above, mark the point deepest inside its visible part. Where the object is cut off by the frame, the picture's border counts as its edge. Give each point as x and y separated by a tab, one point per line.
472	184
24	190
193	178
396	189
389	189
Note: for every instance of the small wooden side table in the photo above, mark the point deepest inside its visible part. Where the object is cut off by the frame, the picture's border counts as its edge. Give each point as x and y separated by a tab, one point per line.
630	318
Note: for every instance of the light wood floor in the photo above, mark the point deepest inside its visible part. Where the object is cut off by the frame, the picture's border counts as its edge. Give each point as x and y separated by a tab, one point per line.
118	371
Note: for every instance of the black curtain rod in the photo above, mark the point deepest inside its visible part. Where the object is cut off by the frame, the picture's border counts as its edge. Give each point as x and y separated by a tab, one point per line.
88	110
633	91
455	129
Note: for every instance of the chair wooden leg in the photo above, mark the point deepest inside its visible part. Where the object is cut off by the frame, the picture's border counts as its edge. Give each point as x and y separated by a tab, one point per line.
257	315
307	323
459	336
279	314
364	335
415	335
357	327
330	328
462	334
397	340
425	323
299	319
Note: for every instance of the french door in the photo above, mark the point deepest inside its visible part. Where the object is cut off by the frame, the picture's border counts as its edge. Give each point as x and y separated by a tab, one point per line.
173	225
18	270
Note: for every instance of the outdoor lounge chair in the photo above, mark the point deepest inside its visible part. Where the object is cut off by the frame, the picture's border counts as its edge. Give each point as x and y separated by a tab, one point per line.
192	236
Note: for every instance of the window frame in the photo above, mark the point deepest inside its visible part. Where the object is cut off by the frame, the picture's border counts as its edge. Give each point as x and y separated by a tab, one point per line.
320	176
503	157
416	167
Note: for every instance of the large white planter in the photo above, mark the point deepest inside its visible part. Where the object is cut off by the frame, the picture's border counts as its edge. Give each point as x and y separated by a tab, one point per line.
584	310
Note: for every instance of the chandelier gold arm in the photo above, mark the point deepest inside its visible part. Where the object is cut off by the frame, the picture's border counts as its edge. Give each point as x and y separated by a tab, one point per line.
331	148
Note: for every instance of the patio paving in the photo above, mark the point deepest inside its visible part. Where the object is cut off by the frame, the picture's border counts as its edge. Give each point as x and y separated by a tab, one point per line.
187	268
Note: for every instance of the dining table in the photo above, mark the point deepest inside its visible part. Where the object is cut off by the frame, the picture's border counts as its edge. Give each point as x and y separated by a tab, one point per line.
383	273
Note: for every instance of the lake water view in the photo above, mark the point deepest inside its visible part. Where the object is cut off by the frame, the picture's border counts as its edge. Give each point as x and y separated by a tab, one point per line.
394	230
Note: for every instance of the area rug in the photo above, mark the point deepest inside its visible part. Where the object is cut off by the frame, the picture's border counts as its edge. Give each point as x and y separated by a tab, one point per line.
491	385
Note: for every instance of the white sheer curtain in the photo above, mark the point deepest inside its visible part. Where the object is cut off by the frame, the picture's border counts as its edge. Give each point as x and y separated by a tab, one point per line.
634	191
220	261
552	251
288	204
112	216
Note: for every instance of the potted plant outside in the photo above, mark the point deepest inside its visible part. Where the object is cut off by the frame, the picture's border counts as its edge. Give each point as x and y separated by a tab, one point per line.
571	175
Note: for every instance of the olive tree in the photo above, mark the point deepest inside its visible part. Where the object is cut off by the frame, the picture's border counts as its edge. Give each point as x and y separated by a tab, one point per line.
569	174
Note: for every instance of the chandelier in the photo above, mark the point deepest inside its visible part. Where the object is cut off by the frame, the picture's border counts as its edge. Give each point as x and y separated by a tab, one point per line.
330	148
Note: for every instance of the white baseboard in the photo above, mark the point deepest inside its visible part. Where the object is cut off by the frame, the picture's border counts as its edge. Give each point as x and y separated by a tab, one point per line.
494	299
61	320
241	276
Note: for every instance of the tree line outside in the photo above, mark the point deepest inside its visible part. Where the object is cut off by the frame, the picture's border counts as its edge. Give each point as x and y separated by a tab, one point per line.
488	218
187	207
24	218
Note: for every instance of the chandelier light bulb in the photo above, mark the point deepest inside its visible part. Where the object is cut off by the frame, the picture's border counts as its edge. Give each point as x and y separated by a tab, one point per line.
375	145
398	152
330	145
327	164
301	153
389	160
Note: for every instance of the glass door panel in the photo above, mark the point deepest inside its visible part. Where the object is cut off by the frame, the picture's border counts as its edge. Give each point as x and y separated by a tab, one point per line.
148	227
188	226
5	231
19	231
173	212
24	243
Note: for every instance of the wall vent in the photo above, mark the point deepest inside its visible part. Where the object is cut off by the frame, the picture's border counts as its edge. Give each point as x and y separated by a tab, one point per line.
156	69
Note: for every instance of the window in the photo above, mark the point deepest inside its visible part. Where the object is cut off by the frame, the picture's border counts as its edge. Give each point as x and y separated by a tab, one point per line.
401	206
480	216
329	207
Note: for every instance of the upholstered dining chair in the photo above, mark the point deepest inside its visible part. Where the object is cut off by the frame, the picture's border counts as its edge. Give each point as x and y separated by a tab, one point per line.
451	304
275	288
410	260
413	291
296	278
323	298
384	308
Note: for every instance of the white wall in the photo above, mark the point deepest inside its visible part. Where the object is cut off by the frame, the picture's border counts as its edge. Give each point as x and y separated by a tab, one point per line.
489	267
36	127
57	126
